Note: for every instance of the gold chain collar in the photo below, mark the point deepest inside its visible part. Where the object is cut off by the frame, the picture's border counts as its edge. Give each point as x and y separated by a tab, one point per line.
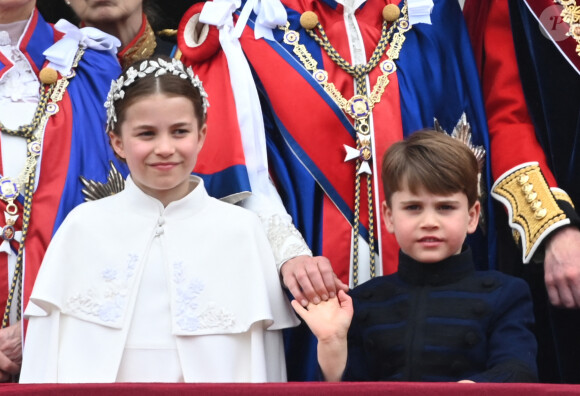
26	131
359	106
54	89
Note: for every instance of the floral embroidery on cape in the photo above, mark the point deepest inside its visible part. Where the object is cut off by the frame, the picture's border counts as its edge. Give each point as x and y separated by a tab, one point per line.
190	314
107	306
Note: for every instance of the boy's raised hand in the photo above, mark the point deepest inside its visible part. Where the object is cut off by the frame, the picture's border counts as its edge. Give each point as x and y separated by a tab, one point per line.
329	320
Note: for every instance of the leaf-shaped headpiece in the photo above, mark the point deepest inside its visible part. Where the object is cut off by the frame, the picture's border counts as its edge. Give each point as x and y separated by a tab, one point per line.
157	67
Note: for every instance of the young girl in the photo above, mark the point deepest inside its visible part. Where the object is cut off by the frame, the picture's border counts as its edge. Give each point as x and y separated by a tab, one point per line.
159	283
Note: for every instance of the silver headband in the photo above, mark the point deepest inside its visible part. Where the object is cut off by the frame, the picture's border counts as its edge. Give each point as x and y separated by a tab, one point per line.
158	68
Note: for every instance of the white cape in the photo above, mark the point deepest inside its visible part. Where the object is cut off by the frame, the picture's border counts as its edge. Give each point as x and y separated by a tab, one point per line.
227	305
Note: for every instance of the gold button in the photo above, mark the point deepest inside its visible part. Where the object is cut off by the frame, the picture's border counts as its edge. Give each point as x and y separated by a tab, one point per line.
391	13
308	20
528	188
536	205
531	197
540	214
48	75
523	179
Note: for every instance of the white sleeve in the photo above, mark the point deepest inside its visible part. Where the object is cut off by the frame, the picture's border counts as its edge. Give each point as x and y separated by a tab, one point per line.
285	240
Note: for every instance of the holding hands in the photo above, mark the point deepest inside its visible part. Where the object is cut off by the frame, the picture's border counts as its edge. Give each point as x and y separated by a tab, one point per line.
311	279
10	351
329	321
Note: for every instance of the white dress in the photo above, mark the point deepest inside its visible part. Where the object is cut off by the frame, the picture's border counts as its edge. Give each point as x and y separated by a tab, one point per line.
132	291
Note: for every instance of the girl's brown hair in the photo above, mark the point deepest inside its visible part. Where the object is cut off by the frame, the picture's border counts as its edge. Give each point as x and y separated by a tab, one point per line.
166	84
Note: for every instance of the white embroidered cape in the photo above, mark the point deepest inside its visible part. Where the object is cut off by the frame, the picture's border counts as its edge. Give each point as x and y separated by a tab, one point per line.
226	303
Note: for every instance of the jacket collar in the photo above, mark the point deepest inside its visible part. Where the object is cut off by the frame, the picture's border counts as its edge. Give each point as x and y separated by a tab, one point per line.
443	272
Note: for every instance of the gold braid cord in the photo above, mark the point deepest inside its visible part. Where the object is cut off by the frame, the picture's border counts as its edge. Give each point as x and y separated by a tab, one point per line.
533	210
361	90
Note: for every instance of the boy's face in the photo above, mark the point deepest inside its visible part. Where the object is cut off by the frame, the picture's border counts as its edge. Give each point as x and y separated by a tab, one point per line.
430	227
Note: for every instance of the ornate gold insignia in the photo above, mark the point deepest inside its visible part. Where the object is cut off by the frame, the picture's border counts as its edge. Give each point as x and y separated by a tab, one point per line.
571	15
533	210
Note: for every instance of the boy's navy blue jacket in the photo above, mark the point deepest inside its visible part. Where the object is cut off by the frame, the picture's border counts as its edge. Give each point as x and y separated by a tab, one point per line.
442	322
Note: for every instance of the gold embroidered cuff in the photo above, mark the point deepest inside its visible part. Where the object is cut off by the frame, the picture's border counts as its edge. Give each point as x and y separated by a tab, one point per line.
532	207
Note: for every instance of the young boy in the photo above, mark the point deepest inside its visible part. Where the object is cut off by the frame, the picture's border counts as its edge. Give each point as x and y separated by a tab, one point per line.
436	319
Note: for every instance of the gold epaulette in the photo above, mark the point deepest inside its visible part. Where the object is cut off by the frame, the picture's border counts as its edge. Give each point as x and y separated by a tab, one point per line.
532	207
